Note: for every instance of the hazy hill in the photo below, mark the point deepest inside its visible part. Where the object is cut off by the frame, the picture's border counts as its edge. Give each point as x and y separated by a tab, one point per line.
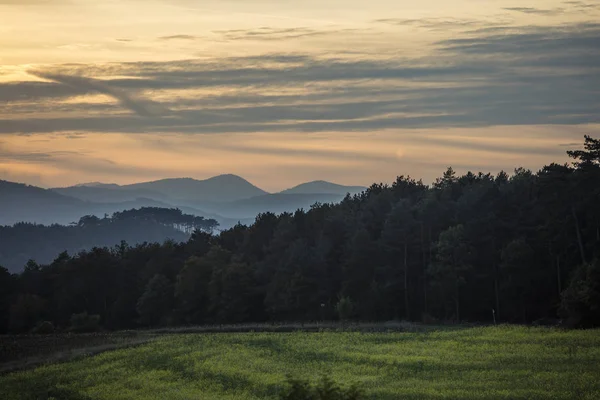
100	184
323	187
226	198
109	193
24	241
19	202
276	203
24	203
217	189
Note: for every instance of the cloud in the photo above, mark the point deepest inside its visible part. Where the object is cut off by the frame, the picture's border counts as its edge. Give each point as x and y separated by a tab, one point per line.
582	6
31	157
432	23
508	76
268	33
536	11
30	2
179	37
581	43
83	162
141	107
38	91
570	144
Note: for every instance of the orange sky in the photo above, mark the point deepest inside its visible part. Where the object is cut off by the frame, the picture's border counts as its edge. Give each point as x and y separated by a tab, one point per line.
280	93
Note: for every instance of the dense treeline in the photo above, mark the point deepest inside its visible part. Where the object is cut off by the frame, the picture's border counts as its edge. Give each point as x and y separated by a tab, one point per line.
24	241
469	248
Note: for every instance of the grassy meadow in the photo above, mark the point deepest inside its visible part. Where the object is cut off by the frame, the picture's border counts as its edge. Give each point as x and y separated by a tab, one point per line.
504	362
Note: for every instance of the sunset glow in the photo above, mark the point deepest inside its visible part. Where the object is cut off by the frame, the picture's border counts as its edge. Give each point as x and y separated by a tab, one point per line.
284	92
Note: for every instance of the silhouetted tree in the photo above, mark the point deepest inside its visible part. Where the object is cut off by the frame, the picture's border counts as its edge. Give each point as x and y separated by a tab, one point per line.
7	288
580	304
156	301
451	264
520	244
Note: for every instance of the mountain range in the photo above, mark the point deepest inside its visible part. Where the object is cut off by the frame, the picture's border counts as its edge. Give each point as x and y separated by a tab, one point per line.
227	198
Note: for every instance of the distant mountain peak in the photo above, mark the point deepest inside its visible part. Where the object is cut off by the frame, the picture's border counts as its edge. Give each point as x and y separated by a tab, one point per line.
227	178
98	185
227	187
222	177
323	187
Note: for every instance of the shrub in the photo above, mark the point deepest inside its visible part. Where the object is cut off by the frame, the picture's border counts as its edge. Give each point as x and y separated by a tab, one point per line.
580	303
83	322
344	308
325	389
428	319
44	328
26	312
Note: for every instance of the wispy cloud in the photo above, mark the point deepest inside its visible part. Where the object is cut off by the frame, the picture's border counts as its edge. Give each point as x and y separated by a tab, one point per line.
508	76
29	2
432	23
269	33
179	37
84	162
373	88
536	11
141	107
582	5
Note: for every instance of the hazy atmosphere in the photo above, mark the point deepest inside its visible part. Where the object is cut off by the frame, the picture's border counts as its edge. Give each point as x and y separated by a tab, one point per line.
348	91
284	200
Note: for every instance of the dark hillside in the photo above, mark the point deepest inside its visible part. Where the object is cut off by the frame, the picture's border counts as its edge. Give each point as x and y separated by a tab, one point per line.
219	188
25	241
519	248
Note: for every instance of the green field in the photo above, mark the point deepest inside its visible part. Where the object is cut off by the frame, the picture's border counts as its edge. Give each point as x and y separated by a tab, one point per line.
473	363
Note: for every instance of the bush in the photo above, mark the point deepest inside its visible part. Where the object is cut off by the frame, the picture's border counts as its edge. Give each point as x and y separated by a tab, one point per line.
580	303
345	308
428	319
325	389
43	328
83	322
26	312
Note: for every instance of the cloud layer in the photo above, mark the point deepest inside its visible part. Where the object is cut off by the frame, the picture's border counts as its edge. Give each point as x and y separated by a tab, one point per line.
411	79
530	75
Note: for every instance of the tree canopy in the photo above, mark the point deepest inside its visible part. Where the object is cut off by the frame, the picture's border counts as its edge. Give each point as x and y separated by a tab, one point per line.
519	247
24	241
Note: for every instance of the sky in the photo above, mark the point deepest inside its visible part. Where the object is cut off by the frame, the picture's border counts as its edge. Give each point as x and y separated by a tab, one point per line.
283	92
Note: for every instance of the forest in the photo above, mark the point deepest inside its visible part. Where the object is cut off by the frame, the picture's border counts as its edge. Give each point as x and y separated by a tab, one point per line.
518	248
23	241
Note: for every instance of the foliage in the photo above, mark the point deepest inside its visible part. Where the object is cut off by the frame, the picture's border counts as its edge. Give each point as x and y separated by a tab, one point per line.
26	312
44	328
7	286
504	362
344	308
590	155
83	322
155	303
581	300
451	264
325	389
470	247
147	224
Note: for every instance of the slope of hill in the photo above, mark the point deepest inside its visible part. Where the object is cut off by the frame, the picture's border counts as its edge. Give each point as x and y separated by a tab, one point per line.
226	198
24	241
24	203
219	188
109	193
323	187
20	202
276	203
99	184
